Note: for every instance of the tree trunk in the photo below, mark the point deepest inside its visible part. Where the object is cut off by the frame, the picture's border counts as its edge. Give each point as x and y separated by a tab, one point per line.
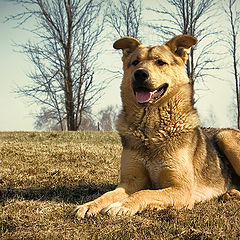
234	55
238	103
70	98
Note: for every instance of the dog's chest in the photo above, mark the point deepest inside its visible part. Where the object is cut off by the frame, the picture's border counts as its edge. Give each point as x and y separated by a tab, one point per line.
154	168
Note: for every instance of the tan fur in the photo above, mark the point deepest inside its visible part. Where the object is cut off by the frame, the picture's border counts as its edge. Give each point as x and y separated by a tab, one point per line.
167	158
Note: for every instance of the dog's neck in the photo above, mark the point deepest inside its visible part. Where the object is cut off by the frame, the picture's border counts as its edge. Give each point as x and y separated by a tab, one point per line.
169	116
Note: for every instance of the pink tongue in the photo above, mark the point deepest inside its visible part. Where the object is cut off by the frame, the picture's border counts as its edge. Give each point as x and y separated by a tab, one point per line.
143	96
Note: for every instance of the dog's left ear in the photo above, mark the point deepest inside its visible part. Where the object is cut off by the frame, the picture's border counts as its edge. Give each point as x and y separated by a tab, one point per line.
181	45
127	44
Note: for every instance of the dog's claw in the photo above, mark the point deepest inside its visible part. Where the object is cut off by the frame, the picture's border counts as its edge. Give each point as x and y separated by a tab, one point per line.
112	208
86	210
79	212
117	209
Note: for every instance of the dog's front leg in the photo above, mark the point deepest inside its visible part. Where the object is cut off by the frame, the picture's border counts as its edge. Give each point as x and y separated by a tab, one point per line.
133	178
151	199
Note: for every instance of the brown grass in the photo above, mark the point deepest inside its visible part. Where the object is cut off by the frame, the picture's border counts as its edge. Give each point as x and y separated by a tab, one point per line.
44	175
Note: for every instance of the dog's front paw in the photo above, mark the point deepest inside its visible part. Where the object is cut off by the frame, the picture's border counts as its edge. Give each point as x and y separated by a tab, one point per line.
86	210
118	209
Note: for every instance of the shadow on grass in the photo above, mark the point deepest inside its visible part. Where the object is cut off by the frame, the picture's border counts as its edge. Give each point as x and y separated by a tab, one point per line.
73	194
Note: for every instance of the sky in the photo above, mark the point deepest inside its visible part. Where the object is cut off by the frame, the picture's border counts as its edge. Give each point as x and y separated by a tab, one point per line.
14	112
17	115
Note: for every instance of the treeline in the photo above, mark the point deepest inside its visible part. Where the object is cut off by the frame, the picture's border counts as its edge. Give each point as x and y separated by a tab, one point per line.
104	120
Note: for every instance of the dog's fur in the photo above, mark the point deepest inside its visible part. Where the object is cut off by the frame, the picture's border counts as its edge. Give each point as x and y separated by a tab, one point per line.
167	158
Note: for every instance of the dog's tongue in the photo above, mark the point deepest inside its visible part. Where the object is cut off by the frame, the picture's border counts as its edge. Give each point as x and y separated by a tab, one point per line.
143	95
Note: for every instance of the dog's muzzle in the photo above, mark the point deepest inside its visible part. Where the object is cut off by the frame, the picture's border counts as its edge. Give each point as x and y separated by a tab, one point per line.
143	90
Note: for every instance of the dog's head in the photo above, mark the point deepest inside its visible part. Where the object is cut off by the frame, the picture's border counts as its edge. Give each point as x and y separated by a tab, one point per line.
151	73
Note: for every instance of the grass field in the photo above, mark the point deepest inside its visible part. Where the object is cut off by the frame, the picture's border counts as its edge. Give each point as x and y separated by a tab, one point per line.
44	175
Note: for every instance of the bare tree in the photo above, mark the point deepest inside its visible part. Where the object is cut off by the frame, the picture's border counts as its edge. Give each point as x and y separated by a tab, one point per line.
125	17
232	11
193	17
67	34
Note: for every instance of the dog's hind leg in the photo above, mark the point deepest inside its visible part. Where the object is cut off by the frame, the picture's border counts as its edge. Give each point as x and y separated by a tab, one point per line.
229	143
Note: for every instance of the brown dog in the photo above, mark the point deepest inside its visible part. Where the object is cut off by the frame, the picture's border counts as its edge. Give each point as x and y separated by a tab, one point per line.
167	158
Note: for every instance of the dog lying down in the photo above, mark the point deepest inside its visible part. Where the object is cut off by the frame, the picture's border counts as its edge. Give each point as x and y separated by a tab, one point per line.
167	158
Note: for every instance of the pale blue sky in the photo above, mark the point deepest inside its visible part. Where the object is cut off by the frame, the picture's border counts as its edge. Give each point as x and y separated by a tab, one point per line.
16	114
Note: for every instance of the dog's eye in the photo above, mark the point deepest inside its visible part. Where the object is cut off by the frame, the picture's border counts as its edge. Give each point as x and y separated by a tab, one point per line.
135	63
160	63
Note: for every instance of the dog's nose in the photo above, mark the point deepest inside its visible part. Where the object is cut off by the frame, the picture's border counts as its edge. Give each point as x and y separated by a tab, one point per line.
141	75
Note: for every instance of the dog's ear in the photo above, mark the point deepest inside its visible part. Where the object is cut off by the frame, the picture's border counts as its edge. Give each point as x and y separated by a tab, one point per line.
181	45
127	44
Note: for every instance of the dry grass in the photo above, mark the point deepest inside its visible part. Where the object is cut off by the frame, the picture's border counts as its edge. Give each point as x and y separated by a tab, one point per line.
43	176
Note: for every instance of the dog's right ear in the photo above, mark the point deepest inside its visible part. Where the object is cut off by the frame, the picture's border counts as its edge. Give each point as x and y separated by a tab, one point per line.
127	44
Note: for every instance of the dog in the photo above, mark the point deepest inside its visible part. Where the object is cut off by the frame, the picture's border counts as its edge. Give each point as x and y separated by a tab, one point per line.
168	160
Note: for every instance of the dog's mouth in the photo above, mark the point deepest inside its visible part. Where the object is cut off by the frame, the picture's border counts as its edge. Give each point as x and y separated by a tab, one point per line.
145	95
